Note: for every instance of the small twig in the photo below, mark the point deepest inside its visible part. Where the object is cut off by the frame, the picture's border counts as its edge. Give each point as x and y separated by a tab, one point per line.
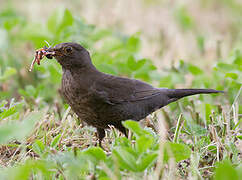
207	167
109	172
178	129
47	44
63	119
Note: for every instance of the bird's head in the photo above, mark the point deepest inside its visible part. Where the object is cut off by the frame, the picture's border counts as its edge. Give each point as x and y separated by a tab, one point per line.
70	55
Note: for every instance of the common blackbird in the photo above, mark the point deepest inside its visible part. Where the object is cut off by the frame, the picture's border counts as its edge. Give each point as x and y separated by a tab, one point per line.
101	99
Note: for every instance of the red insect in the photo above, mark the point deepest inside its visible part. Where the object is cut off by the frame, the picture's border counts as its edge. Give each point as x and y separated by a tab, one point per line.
39	54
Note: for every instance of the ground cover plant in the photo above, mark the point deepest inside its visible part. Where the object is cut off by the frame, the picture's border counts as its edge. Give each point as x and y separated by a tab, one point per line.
41	138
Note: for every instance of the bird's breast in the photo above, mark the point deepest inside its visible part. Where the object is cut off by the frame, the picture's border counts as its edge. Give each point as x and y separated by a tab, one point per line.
79	99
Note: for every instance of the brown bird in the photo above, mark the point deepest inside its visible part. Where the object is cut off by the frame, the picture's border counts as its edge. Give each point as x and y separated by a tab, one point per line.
101	99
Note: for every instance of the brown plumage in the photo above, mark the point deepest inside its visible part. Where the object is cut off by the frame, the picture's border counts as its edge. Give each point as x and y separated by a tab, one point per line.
101	99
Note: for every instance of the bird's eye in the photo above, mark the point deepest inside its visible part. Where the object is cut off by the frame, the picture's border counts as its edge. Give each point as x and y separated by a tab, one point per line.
68	49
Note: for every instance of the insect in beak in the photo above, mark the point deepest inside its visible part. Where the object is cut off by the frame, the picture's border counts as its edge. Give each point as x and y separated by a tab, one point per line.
39	55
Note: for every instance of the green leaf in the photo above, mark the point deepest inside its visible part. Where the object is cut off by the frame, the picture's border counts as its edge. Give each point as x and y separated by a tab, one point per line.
104	178
208	111
55	75
96	154
131	63
135	65
225	171
100	34
239	137
146	161
67	20
35	33
184	18
166	81
201	43
55	141
7	113
177	151
19	130
237	58
232	75
59	21
197	130
226	67
8	73
194	70
134	127
38	147
25	170
133	44
125	158
143	144
29	91
212	148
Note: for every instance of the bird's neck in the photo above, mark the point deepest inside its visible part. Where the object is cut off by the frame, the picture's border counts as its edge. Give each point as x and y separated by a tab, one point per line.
81	71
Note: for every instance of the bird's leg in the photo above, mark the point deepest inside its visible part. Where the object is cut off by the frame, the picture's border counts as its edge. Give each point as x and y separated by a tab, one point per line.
101	135
121	128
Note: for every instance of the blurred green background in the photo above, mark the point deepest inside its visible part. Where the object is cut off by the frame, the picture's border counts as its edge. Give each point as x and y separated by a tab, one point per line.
182	38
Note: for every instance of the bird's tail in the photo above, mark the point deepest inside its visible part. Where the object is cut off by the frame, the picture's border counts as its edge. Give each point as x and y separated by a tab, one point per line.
175	94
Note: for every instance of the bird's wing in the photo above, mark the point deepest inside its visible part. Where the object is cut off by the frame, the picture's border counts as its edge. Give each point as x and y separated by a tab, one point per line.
115	90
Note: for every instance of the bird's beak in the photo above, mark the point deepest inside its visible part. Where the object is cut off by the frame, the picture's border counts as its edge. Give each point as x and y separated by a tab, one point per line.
52	52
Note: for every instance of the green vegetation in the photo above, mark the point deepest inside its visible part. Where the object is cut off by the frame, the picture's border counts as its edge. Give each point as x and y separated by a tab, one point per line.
41	138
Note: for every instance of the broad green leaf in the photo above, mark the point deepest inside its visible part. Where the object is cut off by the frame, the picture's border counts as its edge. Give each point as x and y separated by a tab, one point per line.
197	130
237	58
38	147
36	34
133	44
212	148
59	21
8	73
184	18
7	112
239	137
135	65
131	63
226	66
125	158
55	75
194	70
143	143
55	141
200	43
146	161
122	141
67	20
29	91
19	130
20	172
135	127
166	81
100	34
104	178
225	171
231	75
96	154
177	151
208	111
28	168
